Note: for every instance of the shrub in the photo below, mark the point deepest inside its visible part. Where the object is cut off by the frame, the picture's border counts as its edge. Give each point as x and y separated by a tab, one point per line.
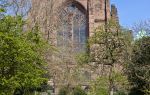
72	91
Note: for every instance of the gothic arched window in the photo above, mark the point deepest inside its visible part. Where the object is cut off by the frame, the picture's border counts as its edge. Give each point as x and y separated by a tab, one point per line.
73	28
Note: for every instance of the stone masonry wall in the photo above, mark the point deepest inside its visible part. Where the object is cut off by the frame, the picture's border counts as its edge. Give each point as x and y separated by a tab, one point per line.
41	13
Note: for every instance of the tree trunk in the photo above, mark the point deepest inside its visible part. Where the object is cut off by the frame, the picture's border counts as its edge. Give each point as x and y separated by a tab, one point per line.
111	81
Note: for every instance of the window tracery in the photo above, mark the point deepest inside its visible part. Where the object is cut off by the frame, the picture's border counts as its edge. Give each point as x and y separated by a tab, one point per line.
73	28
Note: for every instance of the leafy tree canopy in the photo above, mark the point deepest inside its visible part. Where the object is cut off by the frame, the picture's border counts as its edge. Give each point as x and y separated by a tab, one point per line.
21	56
139	69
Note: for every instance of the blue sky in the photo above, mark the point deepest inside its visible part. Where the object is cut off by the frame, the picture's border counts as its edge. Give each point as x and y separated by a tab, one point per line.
132	11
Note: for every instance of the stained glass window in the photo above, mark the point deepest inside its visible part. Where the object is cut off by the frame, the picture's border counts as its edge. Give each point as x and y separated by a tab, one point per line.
73	28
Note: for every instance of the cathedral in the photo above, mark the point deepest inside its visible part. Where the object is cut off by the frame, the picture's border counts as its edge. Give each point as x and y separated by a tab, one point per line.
69	23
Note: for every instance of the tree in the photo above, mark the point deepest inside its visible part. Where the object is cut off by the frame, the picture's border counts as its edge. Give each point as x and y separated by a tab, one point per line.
2	8
139	68
109	49
141	29
21	57
16	7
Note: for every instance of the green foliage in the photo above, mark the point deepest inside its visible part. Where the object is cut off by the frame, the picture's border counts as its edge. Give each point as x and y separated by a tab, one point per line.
21	56
83	58
79	91
109	47
139	69
2	10
108	44
100	86
72	91
63	91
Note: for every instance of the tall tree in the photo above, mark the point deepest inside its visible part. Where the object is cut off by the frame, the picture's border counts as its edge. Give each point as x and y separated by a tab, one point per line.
141	29
17	7
21	57
109	49
139	68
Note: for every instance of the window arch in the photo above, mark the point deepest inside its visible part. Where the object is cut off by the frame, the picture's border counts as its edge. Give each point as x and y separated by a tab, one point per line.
73	28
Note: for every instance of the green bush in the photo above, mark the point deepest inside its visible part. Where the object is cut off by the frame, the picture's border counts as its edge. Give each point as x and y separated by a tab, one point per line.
72	91
63	91
78	91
